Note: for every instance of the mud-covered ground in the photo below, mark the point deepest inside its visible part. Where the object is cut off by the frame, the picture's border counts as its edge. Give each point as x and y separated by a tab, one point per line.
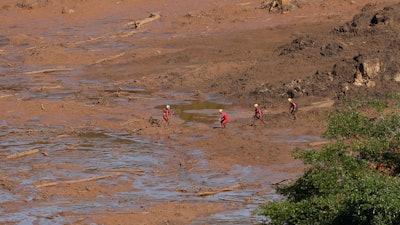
71	69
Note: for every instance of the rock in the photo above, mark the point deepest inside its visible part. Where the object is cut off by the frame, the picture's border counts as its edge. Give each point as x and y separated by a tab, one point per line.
370	68
331	49
367	69
378	18
154	122
397	77
67	10
358	79
371	84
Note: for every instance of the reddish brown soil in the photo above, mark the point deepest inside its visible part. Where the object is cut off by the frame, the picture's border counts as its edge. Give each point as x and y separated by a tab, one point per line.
197	48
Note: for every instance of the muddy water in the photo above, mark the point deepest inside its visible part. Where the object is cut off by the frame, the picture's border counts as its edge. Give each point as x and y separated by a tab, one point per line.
95	152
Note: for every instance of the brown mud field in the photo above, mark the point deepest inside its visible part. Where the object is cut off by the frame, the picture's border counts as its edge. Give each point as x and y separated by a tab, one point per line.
84	82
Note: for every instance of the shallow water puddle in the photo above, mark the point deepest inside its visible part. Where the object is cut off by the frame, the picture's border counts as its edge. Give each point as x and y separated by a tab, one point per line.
193	111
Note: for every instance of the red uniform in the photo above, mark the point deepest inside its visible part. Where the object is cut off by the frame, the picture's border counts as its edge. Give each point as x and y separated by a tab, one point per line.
224	119
166	113
258	114
293	108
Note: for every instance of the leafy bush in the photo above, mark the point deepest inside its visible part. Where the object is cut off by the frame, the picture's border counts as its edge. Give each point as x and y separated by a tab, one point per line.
348	124
353	180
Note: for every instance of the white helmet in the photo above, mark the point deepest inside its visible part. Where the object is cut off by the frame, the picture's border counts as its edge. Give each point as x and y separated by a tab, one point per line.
168	106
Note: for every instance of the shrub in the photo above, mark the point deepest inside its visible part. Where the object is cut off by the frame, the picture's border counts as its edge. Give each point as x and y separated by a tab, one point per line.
353	180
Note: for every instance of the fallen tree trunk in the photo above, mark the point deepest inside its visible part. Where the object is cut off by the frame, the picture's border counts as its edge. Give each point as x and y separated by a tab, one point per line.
136	24
124	171
77	181
318	143
208	193
108	58
48	70
152	17
22	154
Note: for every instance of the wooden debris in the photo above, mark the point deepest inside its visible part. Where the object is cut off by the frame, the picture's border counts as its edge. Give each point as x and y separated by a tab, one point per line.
280	182
48	70
245	3
135	24
22	154
108	58
78	181
124	171
230	200
4	96
317	143
208	193
60	136
139	23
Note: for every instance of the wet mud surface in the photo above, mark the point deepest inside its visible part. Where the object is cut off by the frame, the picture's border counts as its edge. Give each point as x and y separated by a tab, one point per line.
83	84
141	168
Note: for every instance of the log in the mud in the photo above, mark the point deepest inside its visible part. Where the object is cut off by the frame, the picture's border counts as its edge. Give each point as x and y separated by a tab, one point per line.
318	143
208	193
108	58
78	181
124	171
22	154
152	17
230	200
280	182
136	24
48	70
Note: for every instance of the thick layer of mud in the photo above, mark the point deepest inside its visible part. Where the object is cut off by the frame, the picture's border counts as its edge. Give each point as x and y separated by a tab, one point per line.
373	69
82	85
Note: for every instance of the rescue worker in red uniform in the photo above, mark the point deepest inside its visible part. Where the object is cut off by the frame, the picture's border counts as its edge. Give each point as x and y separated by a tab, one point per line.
224	119
258	114
292	107
166	113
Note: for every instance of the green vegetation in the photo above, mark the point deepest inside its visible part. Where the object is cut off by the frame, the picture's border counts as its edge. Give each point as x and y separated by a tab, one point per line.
354	179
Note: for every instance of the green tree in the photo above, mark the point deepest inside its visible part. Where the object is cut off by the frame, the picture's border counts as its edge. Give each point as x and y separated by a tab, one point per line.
353	180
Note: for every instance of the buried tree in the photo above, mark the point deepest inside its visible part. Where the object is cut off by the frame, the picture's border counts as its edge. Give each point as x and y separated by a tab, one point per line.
353	180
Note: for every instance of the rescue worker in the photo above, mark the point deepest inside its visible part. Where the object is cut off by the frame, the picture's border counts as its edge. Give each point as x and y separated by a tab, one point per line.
258	114
293	107
224	119
166	114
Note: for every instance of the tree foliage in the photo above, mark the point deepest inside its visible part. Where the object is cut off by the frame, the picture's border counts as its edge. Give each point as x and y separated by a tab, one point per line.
353	180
